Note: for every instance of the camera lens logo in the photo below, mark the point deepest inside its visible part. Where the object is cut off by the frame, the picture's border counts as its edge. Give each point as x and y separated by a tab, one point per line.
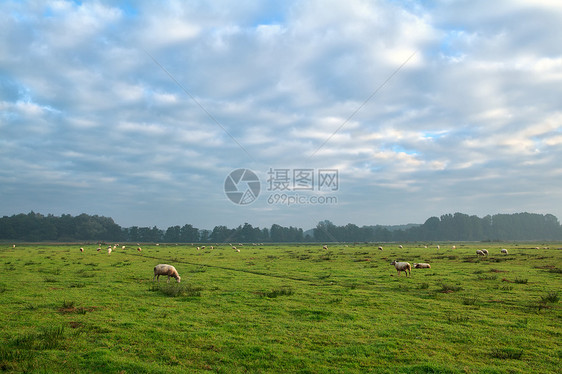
242	186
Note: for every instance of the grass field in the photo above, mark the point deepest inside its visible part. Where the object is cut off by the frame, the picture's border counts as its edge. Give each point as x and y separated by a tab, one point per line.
282	308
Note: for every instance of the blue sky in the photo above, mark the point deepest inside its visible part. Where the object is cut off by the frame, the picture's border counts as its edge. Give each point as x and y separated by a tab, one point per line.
140	110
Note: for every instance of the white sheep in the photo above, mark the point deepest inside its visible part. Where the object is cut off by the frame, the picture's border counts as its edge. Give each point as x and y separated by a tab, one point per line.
504	251
325	247
81	249
402	266
400	246
485	251
164	269
438	247
108	250
480	253
380	248
422	265
99	249
139	249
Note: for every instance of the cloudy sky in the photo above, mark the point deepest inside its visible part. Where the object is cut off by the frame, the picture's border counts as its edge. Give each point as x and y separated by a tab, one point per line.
140	110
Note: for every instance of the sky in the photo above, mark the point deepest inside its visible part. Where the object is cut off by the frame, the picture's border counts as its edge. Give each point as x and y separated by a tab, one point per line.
365	112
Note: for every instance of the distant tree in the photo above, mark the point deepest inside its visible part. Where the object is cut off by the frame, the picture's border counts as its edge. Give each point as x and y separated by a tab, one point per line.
173	234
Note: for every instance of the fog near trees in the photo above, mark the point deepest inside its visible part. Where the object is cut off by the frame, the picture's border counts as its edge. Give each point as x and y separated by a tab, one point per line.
35	227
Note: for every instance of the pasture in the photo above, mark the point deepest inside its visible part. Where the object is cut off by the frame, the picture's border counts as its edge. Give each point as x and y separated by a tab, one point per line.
281	308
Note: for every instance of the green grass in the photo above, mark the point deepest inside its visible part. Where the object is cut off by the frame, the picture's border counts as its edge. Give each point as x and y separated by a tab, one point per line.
281	308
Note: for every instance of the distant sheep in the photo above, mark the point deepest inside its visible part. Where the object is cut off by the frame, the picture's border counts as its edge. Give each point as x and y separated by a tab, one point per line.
454	247
81	249
325	247
108	250
139	249
479	252
402	266
422	265
400	246
485	251
99	249
438	247
164	269
504	251
380	248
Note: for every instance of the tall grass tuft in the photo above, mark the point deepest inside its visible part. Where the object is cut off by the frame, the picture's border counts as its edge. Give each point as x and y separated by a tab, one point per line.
277	292
448	288
177	289
551	297
469	300
48	338
521	280
507	353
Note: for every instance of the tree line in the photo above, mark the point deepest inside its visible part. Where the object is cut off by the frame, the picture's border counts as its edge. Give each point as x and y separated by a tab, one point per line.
34	227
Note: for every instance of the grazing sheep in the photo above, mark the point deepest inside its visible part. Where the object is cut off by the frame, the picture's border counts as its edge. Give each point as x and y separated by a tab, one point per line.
139	249
485	251
325	247
402	266
400	246
422	265
108	250
504	251
480	253
164	269
454	247
380	248
438	247
99	249
14	246
123	247
81	249
203	247
198	248
212	247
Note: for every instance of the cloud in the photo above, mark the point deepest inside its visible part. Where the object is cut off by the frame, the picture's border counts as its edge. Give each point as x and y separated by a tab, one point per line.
90	123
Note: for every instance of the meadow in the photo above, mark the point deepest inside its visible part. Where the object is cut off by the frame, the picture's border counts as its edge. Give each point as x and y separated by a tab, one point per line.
281	308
